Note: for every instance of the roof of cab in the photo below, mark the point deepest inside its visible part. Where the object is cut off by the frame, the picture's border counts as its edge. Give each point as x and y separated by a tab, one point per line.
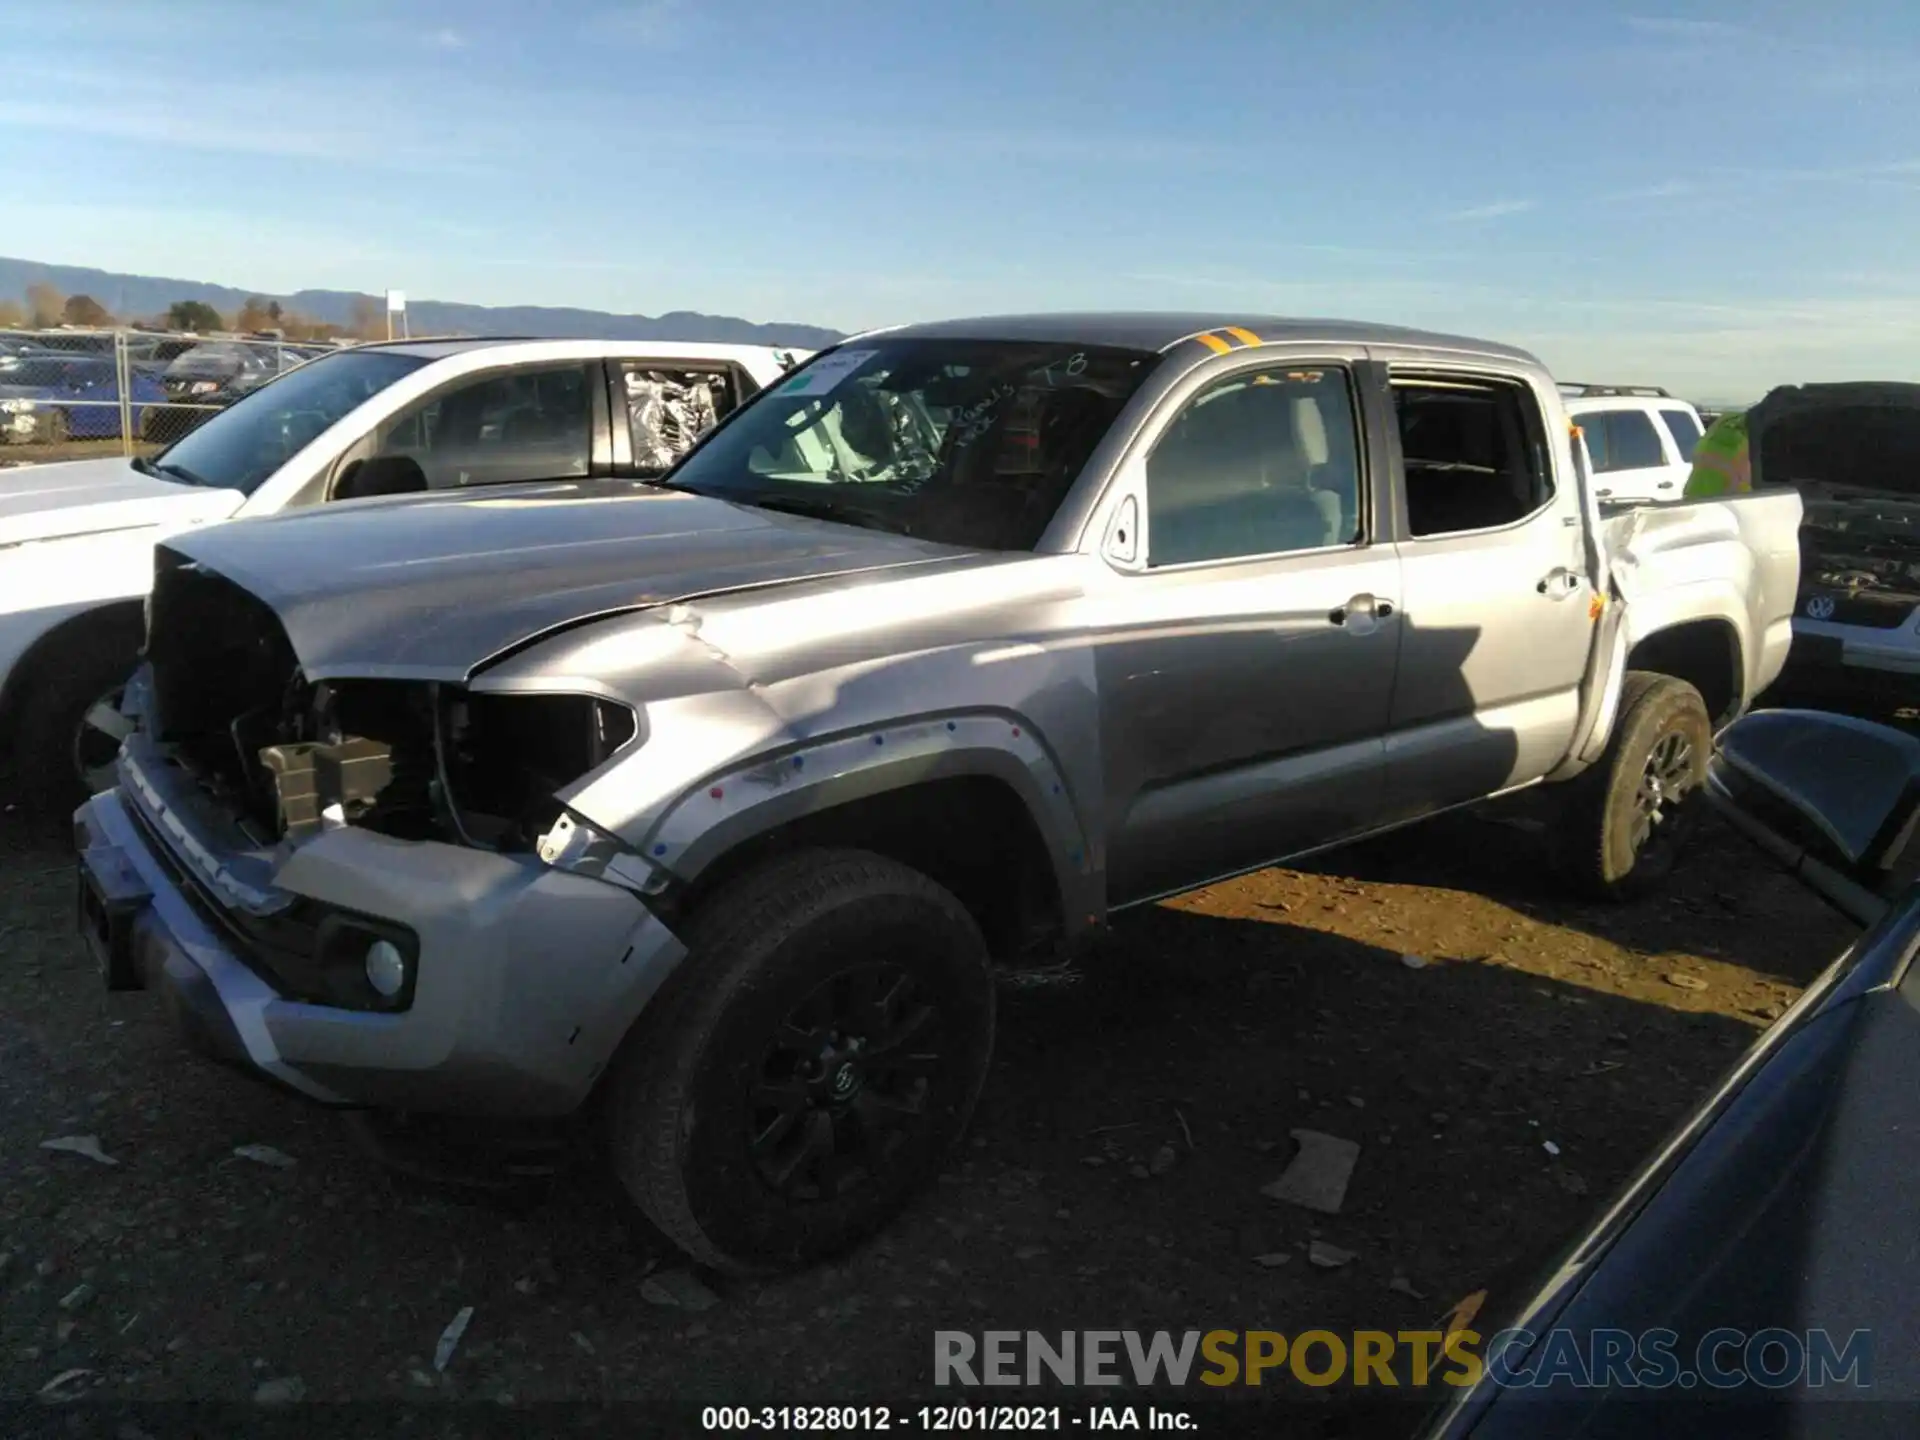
1162	330
664	349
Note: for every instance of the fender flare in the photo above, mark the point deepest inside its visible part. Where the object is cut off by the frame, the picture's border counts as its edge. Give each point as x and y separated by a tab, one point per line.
731	807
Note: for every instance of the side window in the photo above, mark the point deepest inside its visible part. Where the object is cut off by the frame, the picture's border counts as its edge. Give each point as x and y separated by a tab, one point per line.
1632	442
1259	463
669	409
1593	427
1685	432
1475	454
494	429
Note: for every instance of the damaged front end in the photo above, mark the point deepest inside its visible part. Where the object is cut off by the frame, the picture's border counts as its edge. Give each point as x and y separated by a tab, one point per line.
365	889
415	760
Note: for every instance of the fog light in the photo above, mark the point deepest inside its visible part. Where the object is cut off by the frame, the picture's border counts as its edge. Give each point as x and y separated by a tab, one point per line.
386	968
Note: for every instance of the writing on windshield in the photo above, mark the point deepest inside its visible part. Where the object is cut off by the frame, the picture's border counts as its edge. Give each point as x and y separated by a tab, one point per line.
965	442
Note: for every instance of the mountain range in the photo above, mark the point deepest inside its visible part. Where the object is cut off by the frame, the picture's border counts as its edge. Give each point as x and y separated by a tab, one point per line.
136	296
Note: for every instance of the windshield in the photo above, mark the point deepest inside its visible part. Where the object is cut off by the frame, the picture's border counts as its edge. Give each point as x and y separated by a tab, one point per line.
964	442
245	443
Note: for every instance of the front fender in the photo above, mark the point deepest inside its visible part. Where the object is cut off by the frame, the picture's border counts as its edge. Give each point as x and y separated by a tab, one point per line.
754	797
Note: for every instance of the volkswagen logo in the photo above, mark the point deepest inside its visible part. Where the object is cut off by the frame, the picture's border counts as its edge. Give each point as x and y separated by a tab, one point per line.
1820	607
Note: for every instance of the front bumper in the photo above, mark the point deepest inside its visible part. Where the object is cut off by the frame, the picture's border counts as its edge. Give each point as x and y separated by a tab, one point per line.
528	977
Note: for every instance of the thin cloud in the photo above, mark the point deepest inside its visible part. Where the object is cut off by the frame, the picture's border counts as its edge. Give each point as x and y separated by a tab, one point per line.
643	22
1495	210
1665	190
447	39
1676	27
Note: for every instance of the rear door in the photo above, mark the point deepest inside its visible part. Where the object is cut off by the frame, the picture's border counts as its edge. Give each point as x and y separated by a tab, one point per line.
1496	623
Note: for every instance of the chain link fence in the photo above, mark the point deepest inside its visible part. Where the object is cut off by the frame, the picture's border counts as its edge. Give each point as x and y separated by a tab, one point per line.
66	394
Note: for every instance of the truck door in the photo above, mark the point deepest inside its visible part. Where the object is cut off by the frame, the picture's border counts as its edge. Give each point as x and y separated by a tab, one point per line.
1497	618
1245	666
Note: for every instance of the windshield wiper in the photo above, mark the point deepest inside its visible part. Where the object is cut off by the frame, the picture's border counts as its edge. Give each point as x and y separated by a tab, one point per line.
170	471
822	507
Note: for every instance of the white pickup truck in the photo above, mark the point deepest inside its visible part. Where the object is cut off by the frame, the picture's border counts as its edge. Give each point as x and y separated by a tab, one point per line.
76	538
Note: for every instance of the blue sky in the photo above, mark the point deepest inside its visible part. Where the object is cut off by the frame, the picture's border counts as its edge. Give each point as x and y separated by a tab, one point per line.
1711	197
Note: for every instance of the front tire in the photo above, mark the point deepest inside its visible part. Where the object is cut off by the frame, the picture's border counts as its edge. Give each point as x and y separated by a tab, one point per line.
816	1061
1629	816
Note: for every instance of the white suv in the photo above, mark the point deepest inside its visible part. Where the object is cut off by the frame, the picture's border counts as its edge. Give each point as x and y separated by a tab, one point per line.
1639	441
77	538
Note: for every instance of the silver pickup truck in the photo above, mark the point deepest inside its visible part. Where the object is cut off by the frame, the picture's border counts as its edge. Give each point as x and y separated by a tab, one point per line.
701	805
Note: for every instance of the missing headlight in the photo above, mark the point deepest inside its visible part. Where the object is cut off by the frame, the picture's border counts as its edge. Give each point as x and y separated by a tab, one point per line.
507	755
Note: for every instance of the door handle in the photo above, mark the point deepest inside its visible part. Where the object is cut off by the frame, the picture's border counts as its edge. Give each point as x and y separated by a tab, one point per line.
1359	605
1559	584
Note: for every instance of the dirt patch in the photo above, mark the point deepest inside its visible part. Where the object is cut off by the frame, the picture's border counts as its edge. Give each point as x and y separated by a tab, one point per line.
1504	1060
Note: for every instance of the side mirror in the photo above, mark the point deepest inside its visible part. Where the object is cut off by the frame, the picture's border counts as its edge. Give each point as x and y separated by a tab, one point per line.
1834	798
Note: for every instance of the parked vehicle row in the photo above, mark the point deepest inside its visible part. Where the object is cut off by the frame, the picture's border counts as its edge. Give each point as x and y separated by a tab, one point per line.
695	785
51	399
60	386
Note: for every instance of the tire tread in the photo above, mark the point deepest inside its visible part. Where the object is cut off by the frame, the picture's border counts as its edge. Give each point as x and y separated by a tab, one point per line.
746	920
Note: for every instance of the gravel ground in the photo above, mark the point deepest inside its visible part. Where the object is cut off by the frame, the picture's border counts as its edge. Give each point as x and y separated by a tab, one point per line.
1138	1103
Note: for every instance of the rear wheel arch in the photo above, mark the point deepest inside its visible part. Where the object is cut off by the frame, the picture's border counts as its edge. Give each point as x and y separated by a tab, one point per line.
1706	654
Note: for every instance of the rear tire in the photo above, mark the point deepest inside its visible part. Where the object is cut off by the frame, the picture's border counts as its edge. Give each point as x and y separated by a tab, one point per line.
1628	818
831	998
54	745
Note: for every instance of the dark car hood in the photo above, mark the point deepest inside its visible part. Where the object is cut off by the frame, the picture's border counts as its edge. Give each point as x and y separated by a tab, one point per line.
435	587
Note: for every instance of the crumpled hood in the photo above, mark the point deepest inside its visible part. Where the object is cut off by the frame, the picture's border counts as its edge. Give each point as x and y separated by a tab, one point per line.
436	586
82	497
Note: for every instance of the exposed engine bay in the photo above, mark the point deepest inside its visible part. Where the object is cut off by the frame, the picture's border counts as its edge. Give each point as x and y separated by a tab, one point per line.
1857	467
416	760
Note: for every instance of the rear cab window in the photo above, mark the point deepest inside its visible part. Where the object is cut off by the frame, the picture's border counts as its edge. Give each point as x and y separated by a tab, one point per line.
669	405
1474	453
